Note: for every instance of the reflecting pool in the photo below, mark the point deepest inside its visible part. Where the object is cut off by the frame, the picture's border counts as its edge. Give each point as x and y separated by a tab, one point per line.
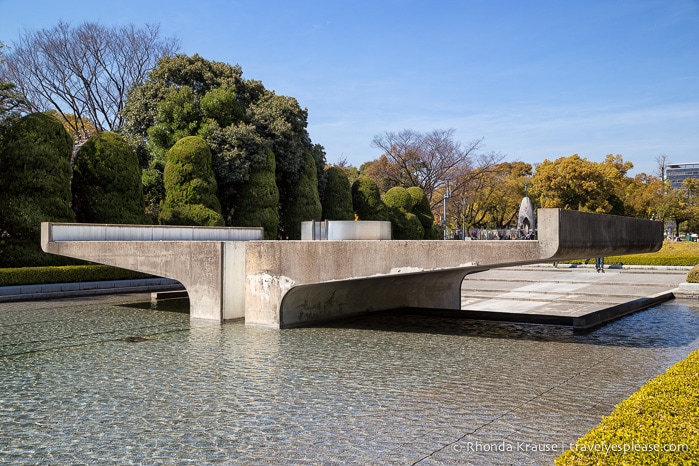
111	380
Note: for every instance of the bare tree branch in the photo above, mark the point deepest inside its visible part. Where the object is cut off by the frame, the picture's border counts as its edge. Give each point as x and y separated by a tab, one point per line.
85	71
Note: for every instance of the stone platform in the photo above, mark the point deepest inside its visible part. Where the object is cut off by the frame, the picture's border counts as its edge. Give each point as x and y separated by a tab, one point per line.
567	295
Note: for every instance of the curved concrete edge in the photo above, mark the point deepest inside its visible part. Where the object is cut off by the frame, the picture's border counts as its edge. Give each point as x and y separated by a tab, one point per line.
80	289
310	304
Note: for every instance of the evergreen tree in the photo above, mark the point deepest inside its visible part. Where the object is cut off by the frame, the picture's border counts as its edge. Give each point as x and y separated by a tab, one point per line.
337	197
35	153
258	200
421	208
302	202
366	200
107	182
190	186
405	224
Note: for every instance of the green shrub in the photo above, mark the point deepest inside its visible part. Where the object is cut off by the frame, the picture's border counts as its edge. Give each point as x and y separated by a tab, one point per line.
404	224
257	204
421	208
190	186
35	153
301	202
693	275
399	197
366	200
663	413
337	197
107	185
65	274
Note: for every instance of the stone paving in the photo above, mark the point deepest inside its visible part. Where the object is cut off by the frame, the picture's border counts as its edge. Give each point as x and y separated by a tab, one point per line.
564	290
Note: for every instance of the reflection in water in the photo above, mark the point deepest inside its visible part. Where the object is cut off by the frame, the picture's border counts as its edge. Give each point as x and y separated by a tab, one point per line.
96	381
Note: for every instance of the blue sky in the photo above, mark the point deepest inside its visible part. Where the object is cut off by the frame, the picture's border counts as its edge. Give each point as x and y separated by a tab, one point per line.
535	79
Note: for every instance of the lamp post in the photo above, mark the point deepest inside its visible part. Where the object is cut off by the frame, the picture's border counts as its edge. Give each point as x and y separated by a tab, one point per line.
446	196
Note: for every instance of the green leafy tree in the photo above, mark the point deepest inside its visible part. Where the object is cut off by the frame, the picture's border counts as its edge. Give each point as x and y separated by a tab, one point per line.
337	197
405	224
107	182
421	209
144	107
282	122
190	186
303	203
576	183
366	200
239	119
492	198
35	153
258	200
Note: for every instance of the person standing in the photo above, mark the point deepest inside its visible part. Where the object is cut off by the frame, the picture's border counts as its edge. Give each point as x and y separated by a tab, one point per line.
599	264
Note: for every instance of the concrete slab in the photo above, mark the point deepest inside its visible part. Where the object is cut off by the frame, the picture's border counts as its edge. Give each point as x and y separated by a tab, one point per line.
577	296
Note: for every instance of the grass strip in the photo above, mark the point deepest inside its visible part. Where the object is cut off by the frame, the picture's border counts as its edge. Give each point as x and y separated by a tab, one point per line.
671	254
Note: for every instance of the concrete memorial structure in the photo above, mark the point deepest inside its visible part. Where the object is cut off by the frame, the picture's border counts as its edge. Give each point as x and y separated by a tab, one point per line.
231	273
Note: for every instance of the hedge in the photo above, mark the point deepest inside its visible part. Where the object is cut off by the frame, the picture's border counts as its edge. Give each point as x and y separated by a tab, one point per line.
663	415
693	275
65	274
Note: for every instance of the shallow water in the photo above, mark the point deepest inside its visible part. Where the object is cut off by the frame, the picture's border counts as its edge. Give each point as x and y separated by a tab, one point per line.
110	380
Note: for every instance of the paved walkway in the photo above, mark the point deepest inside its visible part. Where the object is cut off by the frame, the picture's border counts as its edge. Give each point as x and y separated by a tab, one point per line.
567	295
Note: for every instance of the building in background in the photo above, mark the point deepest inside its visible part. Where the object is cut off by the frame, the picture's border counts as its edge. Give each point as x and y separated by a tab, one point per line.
678	172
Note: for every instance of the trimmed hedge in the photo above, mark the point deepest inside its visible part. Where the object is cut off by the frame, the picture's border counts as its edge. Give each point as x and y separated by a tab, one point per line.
65	274
662	415
693	275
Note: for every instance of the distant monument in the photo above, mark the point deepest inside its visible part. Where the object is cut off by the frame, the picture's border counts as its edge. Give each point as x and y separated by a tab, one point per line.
525	221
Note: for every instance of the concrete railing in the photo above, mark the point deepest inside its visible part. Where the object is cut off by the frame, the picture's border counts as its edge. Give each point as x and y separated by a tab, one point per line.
100	232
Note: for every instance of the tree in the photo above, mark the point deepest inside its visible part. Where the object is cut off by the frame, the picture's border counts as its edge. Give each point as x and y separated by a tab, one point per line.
429	160
107	182
257	204
421	209
404	223
337	197
303	202
86	70
366	200
491	197
12	102
662	161
650	197
173	103
239	119
576	183
282	122
190	186
35	153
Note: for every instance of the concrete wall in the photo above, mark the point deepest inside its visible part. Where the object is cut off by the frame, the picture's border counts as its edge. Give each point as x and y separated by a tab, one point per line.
289	283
